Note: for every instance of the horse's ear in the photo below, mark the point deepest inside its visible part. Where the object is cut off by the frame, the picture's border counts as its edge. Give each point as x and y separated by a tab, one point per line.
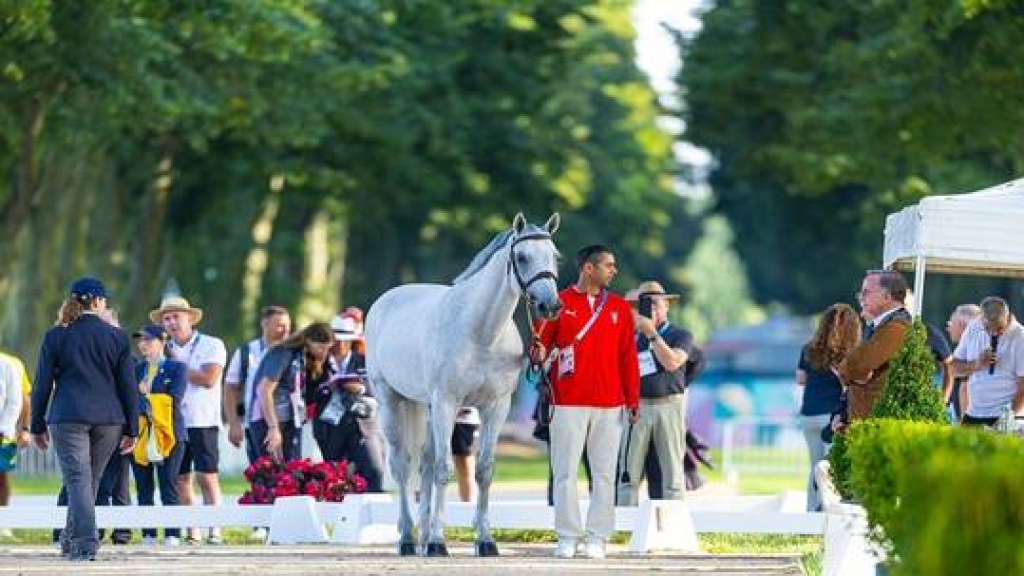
519	222
552	224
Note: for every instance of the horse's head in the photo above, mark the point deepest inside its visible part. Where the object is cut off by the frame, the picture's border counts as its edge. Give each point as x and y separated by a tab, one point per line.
533	263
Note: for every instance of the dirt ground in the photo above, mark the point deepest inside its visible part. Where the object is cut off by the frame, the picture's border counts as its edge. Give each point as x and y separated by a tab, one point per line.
516	559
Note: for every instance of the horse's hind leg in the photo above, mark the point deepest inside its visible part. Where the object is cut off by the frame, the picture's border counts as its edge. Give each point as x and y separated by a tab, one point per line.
491	419
401	418
442	422
426	489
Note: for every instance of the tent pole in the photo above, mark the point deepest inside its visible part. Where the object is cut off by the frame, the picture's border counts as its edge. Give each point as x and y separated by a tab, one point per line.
919	267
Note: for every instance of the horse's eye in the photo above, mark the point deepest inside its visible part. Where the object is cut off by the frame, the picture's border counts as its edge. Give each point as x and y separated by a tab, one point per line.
521	259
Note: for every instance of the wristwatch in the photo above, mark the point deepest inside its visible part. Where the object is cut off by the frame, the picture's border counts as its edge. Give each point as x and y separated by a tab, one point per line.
655	338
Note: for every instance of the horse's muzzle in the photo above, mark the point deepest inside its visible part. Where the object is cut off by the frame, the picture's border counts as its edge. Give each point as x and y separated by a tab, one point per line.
549	310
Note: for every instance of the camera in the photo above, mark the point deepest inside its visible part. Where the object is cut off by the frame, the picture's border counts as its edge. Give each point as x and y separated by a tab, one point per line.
645	305
364	407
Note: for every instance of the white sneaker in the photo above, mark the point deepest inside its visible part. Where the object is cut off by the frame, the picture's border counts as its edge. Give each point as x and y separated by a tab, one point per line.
566	548
172	541
214	537
259	534
594	549
149	540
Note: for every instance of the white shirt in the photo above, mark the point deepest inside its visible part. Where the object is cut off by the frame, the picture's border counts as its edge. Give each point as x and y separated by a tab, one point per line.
10	398
990	393
256	349
877	321
201	406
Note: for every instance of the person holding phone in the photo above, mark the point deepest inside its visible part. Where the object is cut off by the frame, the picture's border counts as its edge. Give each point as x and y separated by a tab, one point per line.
662	350
85	402
344	413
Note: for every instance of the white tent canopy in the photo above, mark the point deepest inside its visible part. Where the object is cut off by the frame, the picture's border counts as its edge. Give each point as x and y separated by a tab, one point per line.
976	233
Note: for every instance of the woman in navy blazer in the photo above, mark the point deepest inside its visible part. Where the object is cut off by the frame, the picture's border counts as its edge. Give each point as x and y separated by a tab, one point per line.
157	374
86	402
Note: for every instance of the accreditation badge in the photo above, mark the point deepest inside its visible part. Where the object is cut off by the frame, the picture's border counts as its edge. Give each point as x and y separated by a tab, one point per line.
646	361
566	361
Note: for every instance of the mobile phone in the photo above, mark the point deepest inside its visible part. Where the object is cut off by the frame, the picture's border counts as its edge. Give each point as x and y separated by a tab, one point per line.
644	306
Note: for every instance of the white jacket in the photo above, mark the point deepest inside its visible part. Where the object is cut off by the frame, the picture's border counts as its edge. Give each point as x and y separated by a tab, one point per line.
10	398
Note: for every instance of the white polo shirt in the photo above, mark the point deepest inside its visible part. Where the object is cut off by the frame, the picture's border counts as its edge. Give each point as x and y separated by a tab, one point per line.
201	406
990	393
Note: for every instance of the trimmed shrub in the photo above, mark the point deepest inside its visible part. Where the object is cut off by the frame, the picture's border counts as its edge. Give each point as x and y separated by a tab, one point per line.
947	500
909	394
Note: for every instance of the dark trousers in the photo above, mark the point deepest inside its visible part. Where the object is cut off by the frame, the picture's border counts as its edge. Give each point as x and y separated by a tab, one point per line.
166	474
346	441
83	451
113	491
291	440
973	421
252	451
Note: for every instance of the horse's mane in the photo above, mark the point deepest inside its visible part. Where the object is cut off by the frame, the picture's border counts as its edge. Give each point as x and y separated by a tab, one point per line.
480	260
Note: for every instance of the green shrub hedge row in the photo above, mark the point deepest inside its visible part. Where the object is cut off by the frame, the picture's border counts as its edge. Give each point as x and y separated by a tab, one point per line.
943	500
909	394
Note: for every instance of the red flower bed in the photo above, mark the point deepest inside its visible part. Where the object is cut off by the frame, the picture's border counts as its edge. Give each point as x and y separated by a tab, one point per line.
324	481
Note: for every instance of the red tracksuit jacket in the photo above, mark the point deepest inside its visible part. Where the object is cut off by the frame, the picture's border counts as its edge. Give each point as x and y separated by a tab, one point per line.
606	374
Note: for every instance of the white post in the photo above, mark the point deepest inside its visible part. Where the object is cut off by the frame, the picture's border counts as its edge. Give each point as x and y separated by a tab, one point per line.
919	267
728	470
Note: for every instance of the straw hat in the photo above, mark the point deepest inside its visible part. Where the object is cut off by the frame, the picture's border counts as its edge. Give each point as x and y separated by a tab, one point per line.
650	288
176	304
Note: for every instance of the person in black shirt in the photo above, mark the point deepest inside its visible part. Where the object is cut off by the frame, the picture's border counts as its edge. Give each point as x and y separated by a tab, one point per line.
662	350
838	332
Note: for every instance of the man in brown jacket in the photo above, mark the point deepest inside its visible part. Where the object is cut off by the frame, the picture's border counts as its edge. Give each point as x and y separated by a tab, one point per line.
867	366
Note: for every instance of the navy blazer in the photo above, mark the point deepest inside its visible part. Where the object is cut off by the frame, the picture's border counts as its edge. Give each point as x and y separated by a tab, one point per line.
85	376
170	379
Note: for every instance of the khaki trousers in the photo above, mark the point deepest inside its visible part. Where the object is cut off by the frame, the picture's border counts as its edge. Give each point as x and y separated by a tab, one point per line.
572	428
662	423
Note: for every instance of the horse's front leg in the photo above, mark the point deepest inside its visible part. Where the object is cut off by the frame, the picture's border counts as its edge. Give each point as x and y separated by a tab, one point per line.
442	423
491	419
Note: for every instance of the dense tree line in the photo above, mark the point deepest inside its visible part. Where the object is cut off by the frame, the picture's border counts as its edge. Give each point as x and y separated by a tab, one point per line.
824	117
309	152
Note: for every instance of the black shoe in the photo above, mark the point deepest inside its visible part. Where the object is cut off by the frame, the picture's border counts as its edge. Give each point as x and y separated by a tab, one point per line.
82	556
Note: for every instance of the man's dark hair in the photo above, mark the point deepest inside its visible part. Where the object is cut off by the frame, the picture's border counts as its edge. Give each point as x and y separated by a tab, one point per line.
269	311
894	284
591	254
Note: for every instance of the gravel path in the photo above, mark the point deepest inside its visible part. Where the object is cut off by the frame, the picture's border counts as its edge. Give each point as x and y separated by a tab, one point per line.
516	559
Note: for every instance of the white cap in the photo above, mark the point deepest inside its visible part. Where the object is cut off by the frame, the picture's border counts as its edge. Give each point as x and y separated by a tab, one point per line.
345	329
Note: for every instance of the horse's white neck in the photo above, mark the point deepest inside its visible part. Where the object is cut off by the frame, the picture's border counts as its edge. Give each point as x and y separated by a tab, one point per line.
493	300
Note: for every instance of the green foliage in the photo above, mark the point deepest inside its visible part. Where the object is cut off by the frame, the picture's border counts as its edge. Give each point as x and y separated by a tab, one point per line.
139	140
824	117
909	394
941	498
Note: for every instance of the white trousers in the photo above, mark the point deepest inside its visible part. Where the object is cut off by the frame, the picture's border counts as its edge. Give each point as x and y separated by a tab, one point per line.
600	429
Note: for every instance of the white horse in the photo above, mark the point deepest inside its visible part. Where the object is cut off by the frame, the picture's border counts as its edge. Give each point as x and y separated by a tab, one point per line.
432	349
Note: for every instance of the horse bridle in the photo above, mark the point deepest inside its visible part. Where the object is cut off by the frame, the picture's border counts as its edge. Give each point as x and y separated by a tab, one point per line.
524	284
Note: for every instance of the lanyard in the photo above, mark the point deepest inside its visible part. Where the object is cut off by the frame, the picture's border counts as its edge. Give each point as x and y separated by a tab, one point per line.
593	317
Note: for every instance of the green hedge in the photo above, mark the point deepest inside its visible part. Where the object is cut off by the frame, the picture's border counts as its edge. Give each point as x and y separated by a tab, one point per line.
909	394
943	500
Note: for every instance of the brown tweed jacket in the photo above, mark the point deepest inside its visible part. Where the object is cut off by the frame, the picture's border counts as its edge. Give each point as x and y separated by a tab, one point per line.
866	368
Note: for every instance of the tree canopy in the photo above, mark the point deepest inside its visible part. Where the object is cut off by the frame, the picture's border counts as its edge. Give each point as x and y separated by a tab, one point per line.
311	152
823	118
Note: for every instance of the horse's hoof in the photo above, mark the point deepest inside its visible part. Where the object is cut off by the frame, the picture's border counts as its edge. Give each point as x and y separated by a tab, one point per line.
487	549
406	549
436	549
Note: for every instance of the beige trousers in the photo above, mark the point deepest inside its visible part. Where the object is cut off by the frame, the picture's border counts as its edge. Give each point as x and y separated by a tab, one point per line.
662	423
599	429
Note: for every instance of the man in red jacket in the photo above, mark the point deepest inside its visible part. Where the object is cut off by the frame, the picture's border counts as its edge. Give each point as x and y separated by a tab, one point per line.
594	375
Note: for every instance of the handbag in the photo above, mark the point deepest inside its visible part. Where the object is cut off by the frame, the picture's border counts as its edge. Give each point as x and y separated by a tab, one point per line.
8	455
